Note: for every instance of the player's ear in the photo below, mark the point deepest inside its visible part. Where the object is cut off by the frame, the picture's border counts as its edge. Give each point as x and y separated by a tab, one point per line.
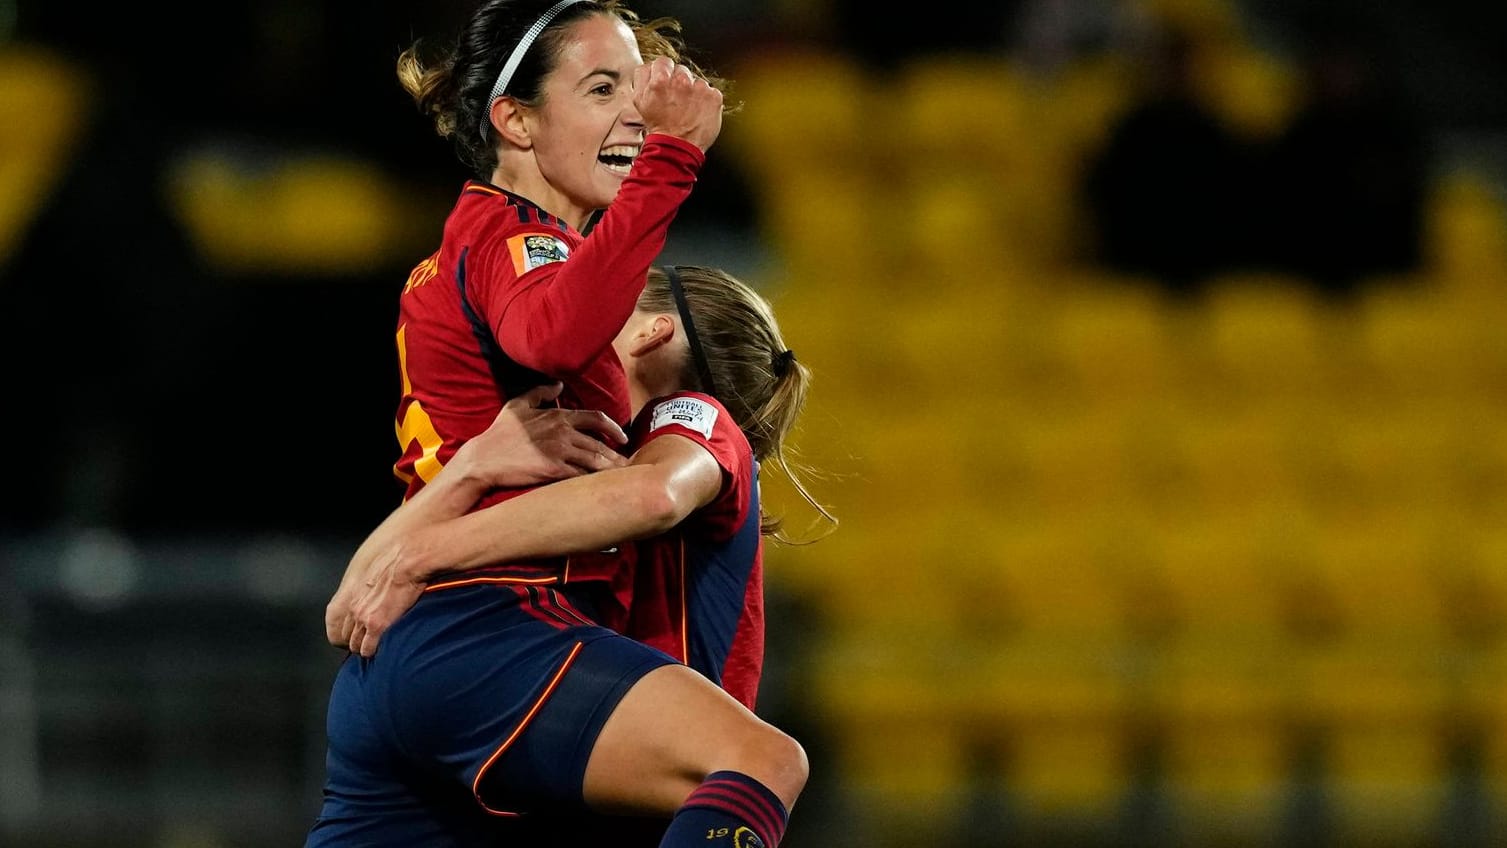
657	331
507	117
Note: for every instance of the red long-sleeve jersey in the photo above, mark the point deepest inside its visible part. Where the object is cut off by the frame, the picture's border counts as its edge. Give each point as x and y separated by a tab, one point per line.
515	297
698	592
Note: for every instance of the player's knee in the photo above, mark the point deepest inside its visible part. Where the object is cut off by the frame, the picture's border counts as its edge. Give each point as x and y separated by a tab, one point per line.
797	768
776	759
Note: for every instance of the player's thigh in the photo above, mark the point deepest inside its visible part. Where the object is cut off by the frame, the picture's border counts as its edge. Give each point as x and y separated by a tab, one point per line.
670	730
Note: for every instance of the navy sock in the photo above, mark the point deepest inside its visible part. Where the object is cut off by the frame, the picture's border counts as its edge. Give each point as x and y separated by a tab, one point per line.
728	810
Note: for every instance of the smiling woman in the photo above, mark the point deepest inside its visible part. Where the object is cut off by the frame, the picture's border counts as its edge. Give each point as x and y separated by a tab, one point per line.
504	694
539	101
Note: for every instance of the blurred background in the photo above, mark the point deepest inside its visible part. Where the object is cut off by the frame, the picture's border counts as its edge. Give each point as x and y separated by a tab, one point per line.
1161	391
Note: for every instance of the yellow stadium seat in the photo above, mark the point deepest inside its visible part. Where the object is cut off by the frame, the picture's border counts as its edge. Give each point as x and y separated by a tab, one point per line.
1385	580
968	146
1270	336
930	341
1047	582
1081	101
1254	90
821	227
960	239
1484	717
1249	462
897	749
801	110
1387	784
965	114
1067	771
1229	581
837	577
834	329
1113	342
1077	462
1354	686
908	777
1160	484
44	105
302	213
1474	574
1419	343
1409	462
1467	234
1224	751
1383	718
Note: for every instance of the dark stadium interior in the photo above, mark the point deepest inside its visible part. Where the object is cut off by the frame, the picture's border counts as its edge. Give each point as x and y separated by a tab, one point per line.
1161	389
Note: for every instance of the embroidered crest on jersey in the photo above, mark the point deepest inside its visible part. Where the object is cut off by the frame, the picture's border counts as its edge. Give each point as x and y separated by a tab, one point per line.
691	413
532	251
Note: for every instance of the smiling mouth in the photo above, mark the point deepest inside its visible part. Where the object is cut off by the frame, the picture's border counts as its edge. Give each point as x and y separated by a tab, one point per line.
619	158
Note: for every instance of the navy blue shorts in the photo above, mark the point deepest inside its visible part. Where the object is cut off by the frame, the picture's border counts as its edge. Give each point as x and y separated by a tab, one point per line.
483	702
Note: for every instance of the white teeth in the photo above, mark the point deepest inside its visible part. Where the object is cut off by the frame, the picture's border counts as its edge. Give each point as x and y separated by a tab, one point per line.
625	152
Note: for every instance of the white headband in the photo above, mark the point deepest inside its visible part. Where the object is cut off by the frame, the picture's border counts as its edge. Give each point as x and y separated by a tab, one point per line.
506	76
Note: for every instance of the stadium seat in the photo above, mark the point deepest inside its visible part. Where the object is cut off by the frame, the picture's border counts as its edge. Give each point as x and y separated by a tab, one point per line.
821	227
1067	770
1385	578
1080	102
802	111
1113	341
1053	582
1238	461
1228	581
1269	336
296	213
965	114
1381	713
1466	232
1224	754
890	708
44	107
1421	343
973	124
1076	462
1254	90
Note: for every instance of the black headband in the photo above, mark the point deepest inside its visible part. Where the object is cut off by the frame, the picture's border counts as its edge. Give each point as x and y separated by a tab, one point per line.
692	340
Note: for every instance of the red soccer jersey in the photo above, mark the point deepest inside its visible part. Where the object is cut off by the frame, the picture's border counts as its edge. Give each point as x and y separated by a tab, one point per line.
698	592
515	297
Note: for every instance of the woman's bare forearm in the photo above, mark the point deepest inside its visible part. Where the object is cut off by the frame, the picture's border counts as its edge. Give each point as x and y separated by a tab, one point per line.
448	496
665	483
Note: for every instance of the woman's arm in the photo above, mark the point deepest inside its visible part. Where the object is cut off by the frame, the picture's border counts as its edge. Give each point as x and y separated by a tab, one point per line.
525	445
666	481
559	325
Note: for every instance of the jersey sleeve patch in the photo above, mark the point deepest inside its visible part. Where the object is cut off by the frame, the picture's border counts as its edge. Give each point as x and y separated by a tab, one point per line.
534	250
690	413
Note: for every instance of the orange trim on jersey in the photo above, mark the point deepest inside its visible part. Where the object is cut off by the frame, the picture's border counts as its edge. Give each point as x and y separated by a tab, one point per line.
517	731
484	190
473	581
685	634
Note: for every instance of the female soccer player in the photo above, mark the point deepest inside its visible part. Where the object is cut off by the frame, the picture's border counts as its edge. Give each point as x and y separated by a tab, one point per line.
516	292
504	692
551	107
554	110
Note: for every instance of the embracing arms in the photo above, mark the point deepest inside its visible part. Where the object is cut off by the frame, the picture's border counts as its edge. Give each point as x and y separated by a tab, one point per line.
666	480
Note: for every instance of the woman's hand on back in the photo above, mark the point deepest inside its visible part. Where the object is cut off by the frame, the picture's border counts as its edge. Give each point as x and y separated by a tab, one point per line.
529	444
